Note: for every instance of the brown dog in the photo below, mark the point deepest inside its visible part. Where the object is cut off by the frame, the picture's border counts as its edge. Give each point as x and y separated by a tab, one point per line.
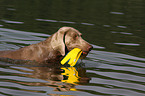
53	48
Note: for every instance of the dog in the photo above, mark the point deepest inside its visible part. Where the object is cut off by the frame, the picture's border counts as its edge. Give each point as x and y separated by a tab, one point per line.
52	49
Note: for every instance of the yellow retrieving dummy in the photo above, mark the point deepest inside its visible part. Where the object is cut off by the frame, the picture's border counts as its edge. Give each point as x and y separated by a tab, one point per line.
72	56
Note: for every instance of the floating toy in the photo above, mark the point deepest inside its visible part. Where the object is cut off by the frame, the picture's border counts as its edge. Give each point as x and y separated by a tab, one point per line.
72	57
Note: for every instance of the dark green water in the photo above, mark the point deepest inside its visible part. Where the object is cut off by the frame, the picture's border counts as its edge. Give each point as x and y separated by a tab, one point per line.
115	67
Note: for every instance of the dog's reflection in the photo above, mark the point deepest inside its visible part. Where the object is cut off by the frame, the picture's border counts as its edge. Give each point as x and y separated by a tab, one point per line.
61	79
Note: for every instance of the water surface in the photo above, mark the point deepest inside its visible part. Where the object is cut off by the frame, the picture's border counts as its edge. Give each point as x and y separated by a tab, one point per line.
115	67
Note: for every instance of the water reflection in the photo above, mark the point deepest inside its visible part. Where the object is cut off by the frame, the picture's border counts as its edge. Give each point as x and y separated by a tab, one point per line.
58	78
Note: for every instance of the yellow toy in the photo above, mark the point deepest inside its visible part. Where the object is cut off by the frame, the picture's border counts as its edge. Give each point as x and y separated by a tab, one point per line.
72	56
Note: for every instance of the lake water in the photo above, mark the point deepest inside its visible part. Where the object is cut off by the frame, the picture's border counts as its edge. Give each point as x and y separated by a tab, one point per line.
115	28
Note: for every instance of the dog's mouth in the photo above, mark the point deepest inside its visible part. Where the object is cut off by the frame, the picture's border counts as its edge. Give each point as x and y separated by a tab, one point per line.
84	54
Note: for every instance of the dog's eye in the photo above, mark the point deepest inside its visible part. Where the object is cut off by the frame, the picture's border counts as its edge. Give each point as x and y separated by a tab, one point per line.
75	37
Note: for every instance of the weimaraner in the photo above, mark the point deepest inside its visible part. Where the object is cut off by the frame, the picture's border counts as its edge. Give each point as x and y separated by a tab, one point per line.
52	49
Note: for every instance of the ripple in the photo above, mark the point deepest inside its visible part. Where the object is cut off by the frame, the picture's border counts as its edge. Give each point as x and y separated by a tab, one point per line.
21	37
18	78
13	22
16	32
105	91
126	33
11	9
98	47
46	20
118	13
14	91
88	24
119	83
128	44
118	59
122	26
106	25
1	25
69	22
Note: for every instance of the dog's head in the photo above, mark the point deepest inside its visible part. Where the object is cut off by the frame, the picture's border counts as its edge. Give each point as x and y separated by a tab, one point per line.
68	38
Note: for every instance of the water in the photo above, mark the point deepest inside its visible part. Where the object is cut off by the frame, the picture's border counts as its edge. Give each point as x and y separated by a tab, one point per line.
115	67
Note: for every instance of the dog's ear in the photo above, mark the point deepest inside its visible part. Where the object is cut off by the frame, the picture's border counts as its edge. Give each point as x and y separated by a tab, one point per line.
57	41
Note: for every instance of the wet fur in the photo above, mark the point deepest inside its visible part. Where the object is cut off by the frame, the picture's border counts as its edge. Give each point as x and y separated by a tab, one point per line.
52	49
